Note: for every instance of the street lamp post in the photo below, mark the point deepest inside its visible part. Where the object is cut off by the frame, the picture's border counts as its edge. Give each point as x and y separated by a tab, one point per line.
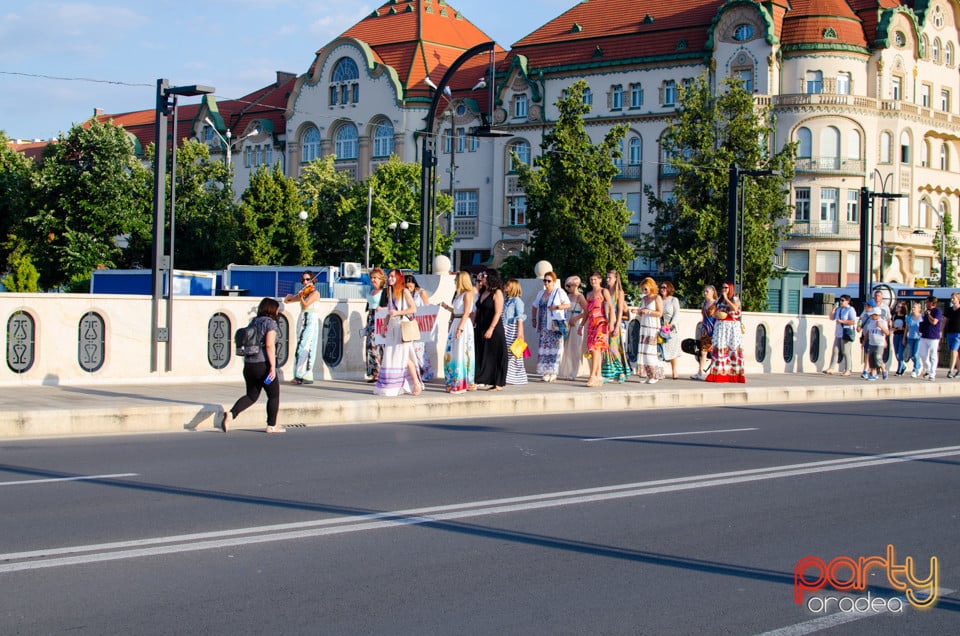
165	104
867	198
735	220
228	141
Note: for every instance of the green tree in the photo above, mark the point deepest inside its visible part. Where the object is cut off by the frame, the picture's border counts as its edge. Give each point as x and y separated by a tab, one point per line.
949	252
17	191
94	197
573	221
709	134
23	276
268	218
206	223
336	211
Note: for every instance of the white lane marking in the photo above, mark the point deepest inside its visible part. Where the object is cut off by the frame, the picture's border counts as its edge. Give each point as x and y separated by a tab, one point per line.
839	618
727	430
356	523
59	479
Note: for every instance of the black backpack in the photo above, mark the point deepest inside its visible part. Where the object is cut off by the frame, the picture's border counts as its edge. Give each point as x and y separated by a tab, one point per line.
247	340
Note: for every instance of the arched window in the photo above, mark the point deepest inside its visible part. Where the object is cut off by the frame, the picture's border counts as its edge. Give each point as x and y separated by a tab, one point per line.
923	218
522	150
345	70
925	153
885	143
948	54
830	148
853	144
310	145
344	84
935	53
944	157
926	47
383	139
904	147
636	151
346	142
804	143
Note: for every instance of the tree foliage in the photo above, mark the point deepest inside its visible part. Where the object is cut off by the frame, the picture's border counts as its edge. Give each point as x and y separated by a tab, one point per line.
336	211
949	252
270	231
94	195
17	192
573	221
709	134
23	276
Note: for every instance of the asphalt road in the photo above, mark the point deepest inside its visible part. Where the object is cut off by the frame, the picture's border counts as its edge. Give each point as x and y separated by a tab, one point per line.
687	522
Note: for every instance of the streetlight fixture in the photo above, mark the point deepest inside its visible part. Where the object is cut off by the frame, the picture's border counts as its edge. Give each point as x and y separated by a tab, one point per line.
867	198
166	104
735	220
228	141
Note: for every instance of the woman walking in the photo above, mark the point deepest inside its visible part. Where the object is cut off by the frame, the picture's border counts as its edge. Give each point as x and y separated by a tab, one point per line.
615	366
374	351
309	299
549	319
398	366
595	318
260	370
669	331
573	363
491	339
707	322
459	356
727	339
651	310
513	318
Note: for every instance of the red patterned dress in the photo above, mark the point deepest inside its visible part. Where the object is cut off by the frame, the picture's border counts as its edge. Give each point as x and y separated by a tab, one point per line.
727	346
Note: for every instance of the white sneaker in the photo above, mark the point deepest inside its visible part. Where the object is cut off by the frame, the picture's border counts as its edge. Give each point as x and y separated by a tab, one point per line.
698	376
652	381
913	375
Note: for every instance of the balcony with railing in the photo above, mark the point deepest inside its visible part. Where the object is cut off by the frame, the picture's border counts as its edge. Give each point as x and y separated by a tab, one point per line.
830	165
466	226
824	229
629	173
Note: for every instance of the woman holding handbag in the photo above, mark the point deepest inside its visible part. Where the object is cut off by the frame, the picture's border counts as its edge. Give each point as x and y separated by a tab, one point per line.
398	367
671	341
513	318
549	319
651	310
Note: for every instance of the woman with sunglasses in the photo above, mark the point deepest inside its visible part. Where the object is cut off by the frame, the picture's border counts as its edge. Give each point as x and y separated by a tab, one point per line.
491	339
309	299
398	367
671	309
573	363
550	321
651	310
727	339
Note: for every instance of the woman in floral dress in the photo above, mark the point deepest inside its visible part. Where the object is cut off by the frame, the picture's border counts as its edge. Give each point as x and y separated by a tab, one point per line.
595	317
651	310
727	339
549	319
459	356
615	367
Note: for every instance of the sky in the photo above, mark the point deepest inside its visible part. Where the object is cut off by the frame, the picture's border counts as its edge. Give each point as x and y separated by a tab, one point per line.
61	60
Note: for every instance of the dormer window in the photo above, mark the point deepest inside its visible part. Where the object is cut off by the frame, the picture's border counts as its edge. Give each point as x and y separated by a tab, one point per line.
743	32
900	39
520	106
344	83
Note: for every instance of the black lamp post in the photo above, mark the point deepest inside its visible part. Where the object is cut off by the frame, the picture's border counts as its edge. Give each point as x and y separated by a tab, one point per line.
867	197
735	219
166	103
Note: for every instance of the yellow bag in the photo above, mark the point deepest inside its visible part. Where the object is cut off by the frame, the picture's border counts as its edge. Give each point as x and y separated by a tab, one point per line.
518	347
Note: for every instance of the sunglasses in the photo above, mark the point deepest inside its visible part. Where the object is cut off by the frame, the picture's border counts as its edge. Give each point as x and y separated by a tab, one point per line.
305	280
548	280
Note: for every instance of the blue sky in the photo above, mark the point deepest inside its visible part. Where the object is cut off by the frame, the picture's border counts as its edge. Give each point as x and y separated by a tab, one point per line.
234	45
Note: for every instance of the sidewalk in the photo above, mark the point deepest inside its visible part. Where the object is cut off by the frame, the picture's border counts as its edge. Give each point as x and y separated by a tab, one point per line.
27	412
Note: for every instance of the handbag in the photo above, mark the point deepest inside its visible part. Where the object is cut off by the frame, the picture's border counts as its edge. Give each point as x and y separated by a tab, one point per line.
409	331
518	348
665	333
849	334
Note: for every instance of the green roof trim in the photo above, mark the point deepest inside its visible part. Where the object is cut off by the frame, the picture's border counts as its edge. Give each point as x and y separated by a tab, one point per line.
884	24
698	56
647	19
823	46
769	33
829	34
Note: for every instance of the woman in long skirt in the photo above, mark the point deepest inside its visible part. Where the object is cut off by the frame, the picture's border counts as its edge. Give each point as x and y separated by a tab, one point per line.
459	356
651	310
671	310
727	339
491	339
550	321
420	299
513	318
398	366
373	350
615	367
309	299
574	363
595	317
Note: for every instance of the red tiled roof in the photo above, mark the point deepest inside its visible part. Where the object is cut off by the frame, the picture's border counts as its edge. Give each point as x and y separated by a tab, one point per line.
30	149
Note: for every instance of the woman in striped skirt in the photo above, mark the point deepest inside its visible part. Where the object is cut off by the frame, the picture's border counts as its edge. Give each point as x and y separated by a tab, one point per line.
513	318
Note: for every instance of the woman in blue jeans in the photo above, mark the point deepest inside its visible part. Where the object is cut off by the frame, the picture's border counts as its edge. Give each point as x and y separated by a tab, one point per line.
911	341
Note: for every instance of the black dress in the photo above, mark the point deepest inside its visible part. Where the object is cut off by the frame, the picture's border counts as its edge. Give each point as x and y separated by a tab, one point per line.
492	353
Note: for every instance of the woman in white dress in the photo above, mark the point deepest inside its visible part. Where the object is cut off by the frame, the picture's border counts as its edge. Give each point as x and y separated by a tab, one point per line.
651	310
459	359
420	299
671	310
574	363
398	367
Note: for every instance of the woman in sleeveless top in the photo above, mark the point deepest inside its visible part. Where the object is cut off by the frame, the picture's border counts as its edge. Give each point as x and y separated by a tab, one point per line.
615	367
513	318
595	317
573	363
398	367
420	299
651	310
309	299
549	319
727	339
459	357
491	339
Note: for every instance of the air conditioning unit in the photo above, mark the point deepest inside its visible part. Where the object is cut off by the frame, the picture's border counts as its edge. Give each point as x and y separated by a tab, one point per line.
350	270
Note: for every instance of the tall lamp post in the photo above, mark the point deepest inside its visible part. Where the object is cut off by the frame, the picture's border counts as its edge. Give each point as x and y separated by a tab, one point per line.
735	220
228	141
867	198
166	104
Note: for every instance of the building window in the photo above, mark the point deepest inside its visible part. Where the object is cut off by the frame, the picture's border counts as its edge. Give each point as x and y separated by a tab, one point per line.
448	141
925	154
517	210
383	139
310	147
636	151
344	84
896	88
466	203
885	143
618	161
843	83
925	95
828	267
520	106
743	32
799	261
801	204
904	147
828	203
634	202
945	101
944	157
587	97
938	16
636	96
814	81
853	145
804	143
259	160
669	93
900	39
472	140
948	54
268	155
616	97
346	142
853	206
522	150
830	148
461	139
935	53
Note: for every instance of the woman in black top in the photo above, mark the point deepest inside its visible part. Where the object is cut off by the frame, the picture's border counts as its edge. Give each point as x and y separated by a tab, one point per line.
490	337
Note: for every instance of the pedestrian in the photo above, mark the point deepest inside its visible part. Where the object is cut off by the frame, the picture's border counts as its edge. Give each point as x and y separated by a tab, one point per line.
705	335
513	319
727	339
868	306
460	355
420	299
260	369
550	320
877	330
930	325
573	362
595	319
615	367
375	300
844	334
490	336
668	331
309	299
951	319
651	310
398	367
897	332
912	339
